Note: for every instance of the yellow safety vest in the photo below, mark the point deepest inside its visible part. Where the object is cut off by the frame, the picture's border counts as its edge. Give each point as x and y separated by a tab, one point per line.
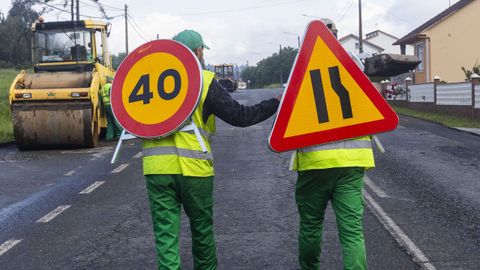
105	93
181	153
350	153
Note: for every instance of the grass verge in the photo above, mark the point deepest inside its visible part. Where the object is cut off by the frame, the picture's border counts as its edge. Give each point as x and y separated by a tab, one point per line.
444	119
6	129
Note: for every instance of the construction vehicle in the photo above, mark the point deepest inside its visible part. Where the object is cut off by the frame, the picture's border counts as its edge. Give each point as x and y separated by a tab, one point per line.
225	76
58	105
387	65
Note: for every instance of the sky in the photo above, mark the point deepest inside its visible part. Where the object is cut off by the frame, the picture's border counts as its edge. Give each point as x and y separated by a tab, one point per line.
247	31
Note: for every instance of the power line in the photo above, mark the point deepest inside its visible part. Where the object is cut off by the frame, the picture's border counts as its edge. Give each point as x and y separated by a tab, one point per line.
241	9
141	35
101	4
134	23
85	16
345	12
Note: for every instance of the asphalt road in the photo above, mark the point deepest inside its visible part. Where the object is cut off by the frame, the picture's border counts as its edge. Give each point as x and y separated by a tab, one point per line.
422	204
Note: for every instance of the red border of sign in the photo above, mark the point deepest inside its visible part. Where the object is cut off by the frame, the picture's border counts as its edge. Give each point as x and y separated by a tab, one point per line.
278	143
194	91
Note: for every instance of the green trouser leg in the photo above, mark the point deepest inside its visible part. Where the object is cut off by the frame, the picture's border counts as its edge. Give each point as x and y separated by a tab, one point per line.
166	194
110	134
343	186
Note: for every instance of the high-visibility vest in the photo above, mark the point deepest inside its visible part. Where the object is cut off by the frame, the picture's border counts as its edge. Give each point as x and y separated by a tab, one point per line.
181	153
350	153
105	93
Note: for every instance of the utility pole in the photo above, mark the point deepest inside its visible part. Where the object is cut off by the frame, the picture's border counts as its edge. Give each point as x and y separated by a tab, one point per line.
126	30
360	34
73	14
78	10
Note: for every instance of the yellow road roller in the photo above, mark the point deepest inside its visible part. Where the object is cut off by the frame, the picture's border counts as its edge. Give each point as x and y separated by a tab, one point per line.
57	104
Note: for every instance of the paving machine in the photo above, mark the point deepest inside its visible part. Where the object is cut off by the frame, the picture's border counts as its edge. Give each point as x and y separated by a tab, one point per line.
225	76
57	105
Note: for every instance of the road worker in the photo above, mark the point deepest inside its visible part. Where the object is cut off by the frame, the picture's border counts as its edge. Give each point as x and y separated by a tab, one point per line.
179	173
114	130
332	172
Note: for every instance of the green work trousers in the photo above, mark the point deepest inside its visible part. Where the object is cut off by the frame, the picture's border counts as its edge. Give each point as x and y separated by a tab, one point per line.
114	130
166	194
343	187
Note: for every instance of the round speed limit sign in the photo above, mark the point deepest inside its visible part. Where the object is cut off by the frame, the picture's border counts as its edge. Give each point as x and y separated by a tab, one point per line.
156	89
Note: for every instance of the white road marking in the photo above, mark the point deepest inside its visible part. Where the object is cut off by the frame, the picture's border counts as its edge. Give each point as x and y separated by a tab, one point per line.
138	155
402	239
72	172
92	187
48	217
120	168
8	245
378	191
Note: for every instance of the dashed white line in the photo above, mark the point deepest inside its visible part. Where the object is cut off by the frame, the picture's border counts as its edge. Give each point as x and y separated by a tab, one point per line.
120	168
92	187
48	217
397	233
138	155
8	245
378	191
70	173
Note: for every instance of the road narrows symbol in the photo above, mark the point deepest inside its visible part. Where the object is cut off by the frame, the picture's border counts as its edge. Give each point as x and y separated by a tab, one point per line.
341	92
319	93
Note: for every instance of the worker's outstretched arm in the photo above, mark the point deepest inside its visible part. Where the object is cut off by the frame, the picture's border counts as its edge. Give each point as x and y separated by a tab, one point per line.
220	103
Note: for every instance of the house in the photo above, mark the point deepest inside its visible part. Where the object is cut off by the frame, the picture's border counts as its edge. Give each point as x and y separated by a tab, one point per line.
351	44
446	43
386	40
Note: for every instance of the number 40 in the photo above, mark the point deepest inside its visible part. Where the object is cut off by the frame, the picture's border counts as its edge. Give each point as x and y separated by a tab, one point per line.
144	82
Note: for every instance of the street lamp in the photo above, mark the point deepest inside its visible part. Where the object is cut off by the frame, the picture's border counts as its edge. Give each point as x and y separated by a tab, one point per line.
298	37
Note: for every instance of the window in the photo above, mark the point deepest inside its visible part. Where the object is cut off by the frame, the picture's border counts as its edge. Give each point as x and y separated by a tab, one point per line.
420	55
357	45
62	46
99	46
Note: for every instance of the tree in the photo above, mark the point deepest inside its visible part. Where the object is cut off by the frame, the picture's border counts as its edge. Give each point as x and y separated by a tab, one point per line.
274	69
468	73
15	35
117	60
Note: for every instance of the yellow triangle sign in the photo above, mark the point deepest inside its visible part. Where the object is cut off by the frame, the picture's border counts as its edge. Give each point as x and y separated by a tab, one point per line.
328	98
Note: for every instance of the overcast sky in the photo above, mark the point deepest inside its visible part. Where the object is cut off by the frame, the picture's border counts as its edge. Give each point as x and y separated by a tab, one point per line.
249	30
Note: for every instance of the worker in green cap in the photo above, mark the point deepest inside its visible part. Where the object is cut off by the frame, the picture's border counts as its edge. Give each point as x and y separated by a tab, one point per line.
113	128
178	173
332	172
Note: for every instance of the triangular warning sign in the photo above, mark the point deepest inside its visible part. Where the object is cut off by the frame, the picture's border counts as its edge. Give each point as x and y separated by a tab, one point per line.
328	97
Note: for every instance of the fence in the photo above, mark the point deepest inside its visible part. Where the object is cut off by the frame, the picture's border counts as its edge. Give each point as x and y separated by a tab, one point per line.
461	99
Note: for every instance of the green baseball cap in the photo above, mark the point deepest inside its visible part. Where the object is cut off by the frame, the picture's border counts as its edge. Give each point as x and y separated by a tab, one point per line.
191	39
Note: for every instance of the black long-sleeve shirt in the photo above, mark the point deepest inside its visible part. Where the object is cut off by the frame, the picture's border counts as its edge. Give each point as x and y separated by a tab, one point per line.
221	104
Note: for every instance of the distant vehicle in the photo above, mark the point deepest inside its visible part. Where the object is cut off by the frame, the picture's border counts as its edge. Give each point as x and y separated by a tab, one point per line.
242	85
225	76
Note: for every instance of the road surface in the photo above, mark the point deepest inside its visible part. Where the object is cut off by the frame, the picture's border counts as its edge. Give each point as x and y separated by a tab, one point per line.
72	209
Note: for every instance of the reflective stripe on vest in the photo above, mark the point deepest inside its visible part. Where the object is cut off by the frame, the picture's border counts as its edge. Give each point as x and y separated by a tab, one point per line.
204	133
356	144
172	150
350	153
181	153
